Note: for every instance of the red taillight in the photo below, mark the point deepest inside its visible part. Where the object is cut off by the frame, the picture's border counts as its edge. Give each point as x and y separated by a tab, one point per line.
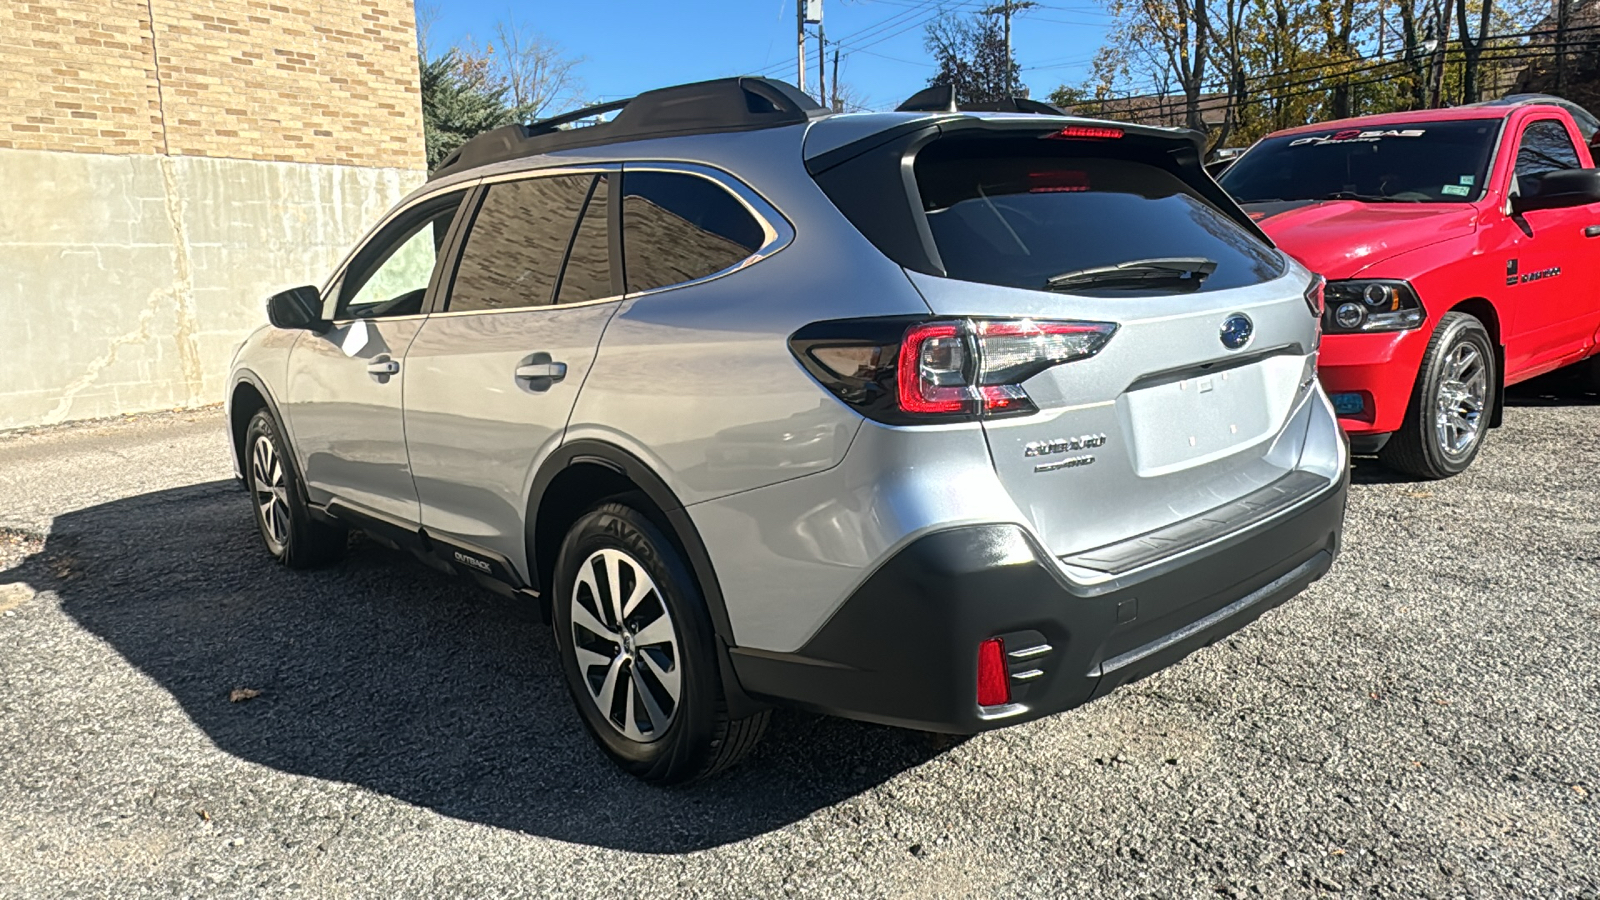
994	685
902	372
1086	132
933	369
976	367
1314	296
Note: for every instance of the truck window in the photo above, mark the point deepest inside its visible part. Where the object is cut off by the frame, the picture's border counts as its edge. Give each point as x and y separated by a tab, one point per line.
1546	147
1417	162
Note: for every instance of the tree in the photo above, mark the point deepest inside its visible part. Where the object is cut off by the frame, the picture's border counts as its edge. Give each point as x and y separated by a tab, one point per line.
970	55
539	78
459	102
1472	46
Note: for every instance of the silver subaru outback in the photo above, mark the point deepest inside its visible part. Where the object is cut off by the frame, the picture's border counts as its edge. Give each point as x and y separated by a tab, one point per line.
943	418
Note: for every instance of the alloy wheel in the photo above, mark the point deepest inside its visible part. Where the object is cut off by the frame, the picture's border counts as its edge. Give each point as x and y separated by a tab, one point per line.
270	488
1461	400
626	645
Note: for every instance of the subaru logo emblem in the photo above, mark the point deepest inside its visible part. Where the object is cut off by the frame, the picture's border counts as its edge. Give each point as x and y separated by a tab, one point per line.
1237	330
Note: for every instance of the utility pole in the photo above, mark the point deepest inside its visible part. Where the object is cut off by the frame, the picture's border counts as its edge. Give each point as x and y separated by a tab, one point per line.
1005	10
808	12
800	43
822	66
835	104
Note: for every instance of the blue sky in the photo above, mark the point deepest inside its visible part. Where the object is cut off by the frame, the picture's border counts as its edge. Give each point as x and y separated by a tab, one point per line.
630	47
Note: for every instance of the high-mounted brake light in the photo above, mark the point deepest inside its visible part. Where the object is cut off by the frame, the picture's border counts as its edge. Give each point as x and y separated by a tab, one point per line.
1086	133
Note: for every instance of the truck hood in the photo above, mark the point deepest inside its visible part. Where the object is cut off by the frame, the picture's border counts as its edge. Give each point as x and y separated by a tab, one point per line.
1340	238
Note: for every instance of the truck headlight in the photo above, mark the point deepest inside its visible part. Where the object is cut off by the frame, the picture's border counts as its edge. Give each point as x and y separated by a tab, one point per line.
1371	304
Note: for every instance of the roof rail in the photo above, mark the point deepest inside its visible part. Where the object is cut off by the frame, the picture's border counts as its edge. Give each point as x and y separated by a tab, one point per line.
725	104
942	98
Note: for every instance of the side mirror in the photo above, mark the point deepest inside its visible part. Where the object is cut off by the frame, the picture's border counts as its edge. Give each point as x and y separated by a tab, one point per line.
299	307
1560	189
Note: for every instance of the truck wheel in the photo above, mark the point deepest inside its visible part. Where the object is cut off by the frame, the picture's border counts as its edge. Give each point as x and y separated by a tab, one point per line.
639	653
1451	405
292	536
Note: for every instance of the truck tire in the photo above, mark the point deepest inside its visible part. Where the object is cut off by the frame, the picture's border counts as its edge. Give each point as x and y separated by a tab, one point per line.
1451	405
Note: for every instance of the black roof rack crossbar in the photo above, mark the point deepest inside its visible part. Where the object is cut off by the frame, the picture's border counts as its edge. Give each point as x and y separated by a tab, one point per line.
725	104
544	126
942	98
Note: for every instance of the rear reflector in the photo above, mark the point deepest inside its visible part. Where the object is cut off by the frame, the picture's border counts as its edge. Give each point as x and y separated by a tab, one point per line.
1086	132
994	685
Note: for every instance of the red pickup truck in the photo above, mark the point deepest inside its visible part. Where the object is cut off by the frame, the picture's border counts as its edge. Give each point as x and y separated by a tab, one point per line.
1462	252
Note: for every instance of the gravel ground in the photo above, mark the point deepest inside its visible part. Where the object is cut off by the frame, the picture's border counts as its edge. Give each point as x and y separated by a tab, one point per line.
1421	723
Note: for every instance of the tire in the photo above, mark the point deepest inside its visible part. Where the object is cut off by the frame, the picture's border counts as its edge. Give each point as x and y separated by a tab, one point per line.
623	683
277	495
1451	405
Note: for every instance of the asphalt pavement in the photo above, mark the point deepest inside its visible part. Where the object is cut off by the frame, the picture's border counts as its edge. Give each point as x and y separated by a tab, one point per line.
181	717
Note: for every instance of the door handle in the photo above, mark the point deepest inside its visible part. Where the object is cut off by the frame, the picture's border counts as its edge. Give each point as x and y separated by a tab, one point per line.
1592	231
383	367
555	371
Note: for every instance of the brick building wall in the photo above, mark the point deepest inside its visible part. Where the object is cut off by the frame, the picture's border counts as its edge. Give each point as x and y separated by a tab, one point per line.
166	165
330	81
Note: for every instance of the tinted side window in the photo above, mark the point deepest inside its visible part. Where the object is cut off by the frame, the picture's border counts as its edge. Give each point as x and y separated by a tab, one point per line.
518	240
390	275
678	227
588	272
1546	147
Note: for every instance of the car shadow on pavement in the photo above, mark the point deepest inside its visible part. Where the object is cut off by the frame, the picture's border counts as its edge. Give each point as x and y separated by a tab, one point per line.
1559	388
384	673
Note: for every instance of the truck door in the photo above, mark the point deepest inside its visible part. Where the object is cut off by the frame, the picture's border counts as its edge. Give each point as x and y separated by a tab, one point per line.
1553	279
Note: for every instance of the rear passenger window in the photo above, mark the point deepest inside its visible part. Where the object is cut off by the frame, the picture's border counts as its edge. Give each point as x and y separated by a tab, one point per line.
678	227
513	255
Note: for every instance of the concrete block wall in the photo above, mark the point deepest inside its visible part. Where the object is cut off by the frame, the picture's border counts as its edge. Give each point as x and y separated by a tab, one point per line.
169	163
131	279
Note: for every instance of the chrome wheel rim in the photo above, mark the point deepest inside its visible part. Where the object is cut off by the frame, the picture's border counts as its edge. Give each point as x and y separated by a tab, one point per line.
626	645
1463	396
271	491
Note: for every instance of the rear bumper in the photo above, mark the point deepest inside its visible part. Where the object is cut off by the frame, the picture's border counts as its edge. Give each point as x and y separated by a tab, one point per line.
903	649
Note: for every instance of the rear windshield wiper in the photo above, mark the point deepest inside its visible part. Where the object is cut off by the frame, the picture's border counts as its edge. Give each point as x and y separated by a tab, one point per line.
1182	271
1365	198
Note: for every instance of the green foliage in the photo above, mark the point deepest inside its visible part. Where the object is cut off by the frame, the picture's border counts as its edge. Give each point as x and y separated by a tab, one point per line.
970	54
1273	64
459	102
1070	97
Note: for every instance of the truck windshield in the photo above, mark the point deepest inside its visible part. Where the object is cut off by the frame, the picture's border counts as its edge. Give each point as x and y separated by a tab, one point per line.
1418	162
